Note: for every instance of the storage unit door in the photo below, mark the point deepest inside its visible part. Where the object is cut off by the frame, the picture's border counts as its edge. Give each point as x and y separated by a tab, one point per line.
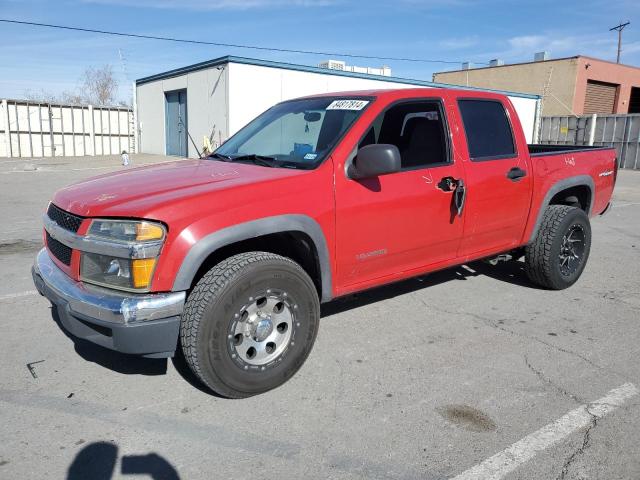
176	123
600	97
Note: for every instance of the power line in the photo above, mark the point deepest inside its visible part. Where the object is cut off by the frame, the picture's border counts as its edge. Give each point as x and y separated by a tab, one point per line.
220	44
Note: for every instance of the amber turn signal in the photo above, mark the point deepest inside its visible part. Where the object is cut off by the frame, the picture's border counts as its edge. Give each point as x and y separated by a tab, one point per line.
149	231
142	271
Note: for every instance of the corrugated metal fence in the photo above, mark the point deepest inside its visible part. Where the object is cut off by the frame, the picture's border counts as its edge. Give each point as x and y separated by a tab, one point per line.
38	129
619	131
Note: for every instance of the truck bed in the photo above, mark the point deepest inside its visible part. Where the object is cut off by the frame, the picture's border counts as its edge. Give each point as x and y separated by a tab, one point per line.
538	150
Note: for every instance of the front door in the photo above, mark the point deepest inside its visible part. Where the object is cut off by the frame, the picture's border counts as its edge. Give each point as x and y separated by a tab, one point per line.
176	123
393	224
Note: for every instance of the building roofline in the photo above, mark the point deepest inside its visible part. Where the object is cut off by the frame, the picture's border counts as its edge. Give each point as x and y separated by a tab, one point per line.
539	61
305	68
487	67
608	61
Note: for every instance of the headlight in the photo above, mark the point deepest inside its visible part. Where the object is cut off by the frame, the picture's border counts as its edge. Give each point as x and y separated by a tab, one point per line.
127	230
118	271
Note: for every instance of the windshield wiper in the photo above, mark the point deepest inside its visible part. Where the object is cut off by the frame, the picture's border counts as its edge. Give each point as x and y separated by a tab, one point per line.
262	160
226	158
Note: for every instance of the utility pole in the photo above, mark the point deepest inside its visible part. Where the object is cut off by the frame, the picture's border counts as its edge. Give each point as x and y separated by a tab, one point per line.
619	29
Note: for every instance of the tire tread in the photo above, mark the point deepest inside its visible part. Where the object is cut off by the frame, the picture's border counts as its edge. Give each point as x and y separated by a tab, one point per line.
538	254
206	290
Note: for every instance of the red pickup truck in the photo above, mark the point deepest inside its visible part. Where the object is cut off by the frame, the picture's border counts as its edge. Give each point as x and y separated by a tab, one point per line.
228	257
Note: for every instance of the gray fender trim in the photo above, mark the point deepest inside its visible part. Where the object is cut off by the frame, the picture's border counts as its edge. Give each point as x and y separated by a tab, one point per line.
244	231
579	180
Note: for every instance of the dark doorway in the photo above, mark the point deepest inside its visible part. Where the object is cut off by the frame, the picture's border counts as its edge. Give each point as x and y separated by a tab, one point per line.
634	100
176	122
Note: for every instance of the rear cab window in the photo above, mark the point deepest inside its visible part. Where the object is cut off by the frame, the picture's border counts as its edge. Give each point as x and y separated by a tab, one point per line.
487	129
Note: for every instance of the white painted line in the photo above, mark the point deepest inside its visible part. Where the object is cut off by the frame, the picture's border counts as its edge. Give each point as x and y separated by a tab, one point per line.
26	293
499	465
58	170
47	169
625	204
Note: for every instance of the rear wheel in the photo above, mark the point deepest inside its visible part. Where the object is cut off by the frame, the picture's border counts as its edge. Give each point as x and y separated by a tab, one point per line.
250	323
558	255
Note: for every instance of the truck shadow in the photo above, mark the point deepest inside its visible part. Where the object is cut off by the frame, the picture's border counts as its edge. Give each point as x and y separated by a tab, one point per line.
510	272
116	361
129	364
97	461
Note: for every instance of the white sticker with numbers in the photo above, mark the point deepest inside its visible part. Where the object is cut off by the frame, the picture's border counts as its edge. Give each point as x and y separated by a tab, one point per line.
347	104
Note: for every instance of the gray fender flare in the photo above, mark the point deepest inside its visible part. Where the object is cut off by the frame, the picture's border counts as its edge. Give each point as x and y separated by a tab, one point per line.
577	181
255	228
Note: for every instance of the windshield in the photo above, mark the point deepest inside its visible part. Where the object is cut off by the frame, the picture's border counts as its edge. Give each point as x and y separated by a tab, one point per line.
295	134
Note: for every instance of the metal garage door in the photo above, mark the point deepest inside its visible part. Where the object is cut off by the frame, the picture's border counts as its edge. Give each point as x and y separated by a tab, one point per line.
600	97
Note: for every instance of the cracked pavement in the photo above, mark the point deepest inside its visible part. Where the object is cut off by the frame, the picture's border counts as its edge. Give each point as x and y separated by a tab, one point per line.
419	380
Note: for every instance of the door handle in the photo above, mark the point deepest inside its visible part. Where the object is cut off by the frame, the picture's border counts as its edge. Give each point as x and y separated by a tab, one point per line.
460	196
516	173
447	184
450	184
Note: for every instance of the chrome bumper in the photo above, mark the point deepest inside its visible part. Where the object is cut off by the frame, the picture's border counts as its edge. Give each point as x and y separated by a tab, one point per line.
101	303
143	324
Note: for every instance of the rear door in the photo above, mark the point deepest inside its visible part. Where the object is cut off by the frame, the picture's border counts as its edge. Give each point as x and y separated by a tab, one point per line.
497	177
392	224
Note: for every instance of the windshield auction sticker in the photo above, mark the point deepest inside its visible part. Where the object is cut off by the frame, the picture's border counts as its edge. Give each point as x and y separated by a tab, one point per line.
347	104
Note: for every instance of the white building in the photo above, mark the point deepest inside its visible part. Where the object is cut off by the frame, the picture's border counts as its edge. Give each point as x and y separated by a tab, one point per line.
175	110
343	67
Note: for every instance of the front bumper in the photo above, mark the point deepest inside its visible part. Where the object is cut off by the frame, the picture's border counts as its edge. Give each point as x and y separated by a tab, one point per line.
142	324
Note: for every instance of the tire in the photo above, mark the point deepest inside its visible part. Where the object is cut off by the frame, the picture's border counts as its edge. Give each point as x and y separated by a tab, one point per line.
253	300
558	254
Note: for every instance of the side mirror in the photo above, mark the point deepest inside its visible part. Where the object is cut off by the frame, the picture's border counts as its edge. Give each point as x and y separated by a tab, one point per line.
375	160
312	116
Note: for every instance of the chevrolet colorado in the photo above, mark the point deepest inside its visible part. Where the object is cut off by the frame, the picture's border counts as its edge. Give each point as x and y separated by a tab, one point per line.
228	257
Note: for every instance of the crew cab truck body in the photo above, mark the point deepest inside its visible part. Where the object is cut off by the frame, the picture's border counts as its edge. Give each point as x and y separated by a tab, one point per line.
228	257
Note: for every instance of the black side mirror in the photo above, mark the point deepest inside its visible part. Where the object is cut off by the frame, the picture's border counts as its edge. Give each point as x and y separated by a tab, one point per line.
312	116
374	160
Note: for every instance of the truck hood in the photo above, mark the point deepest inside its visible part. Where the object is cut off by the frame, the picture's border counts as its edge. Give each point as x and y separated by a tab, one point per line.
138	191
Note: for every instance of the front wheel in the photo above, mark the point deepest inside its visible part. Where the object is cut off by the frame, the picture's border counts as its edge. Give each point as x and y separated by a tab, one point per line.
558	254
250	323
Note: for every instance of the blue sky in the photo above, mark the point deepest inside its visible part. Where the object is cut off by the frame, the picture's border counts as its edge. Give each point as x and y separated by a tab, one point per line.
35	59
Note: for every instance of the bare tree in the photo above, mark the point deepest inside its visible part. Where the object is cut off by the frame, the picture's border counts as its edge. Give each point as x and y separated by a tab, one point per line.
42	96
100	85
72	98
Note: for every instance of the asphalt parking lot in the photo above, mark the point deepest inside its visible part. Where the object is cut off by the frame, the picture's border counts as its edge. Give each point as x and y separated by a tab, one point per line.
453	374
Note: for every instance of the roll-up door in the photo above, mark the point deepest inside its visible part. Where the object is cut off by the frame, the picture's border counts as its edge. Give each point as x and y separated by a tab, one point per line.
600	97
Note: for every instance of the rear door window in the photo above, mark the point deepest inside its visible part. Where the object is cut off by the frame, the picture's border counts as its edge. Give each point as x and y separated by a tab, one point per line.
488	131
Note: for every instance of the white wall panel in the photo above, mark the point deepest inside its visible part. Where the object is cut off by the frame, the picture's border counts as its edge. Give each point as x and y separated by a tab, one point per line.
527	109
45	130
207	109
253	89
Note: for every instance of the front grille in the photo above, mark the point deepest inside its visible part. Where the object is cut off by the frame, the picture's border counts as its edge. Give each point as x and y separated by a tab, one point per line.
66	220
59	250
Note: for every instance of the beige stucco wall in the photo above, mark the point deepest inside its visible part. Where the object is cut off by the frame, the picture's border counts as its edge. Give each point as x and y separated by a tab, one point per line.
525	78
